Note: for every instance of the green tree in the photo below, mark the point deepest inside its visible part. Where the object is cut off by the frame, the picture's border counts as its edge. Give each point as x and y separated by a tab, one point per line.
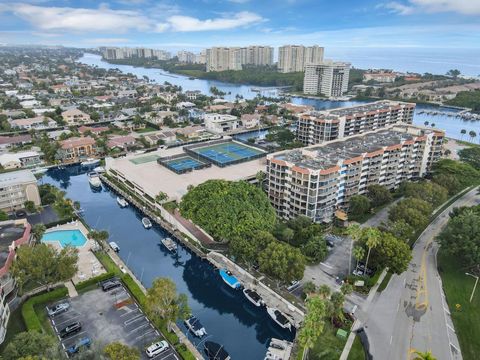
359	205
337	300
30	344
346	289
43	265
453	73
424	356
373	238
315	248
324	291
119	351
313	324
228	209
3	215
38	230
163	303
392	252
282	261
247	249
358	253
99	236
260	176
461	238
401	230
30	206
379	195
431	192
161	197
471	155
465	174
414	212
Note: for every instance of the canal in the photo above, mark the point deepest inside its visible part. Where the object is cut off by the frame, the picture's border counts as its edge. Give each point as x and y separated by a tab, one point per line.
228	317
451	125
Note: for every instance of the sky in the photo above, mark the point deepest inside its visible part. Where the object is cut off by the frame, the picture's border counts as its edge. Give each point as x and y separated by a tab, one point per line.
196	24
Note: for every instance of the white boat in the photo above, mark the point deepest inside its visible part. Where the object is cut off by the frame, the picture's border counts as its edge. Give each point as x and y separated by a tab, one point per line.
122	202
147	224
99	170
169	244
94	180
40	170
195	326
253	297
114	246
90	161
279	318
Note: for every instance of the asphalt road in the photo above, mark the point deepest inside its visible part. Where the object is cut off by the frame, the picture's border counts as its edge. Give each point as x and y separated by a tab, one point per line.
411	314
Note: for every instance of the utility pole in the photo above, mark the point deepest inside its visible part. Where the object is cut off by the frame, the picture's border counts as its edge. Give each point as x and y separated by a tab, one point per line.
475	286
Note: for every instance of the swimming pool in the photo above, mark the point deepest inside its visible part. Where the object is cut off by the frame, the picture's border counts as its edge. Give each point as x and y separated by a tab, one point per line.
66	237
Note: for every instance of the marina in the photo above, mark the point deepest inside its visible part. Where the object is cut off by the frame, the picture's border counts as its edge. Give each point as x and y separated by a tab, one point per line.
170	245
195	326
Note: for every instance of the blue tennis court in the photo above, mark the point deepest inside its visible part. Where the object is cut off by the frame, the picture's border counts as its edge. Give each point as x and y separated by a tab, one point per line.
227	153
184	163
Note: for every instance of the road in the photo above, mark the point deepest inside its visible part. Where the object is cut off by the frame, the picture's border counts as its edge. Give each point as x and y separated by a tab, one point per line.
411	314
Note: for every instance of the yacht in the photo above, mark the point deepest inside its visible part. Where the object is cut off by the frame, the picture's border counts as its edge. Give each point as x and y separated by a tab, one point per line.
230	279
99	170
122	202
195	326
253	297
94	180
90	161
279	318
169	244
215	351
147	224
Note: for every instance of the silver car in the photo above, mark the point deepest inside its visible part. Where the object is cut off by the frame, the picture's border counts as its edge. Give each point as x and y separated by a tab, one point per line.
58	309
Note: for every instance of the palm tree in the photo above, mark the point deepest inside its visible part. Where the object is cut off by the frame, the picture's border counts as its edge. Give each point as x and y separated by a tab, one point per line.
424	355
355	232
463	132
426	123
358	253
432	125
324	291
373	240
472	134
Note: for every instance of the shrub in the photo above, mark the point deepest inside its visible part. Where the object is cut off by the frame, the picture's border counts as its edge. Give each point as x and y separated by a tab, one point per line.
92	281
134	289
30	318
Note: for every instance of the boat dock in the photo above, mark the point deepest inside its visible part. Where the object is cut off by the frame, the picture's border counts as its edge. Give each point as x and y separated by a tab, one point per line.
279	349
270	297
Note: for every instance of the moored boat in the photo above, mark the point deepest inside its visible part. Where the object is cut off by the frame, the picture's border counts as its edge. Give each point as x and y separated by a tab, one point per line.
215	351
94	180
229	279
253	297
279	318
99	170
169	244
195	326
122	202
147	224
90	161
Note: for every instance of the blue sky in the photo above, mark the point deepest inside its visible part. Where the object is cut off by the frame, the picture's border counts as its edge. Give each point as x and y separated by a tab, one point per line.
196	24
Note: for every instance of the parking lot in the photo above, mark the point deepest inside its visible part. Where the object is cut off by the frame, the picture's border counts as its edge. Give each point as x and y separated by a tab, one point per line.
107	317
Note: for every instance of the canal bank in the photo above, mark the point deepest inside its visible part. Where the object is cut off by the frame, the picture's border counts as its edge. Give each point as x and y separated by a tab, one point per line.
229	318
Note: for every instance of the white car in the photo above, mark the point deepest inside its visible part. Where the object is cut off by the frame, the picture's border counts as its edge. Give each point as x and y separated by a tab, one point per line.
156	348
57	309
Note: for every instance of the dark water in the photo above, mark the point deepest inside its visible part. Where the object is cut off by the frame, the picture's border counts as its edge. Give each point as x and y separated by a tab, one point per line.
451	125
227	316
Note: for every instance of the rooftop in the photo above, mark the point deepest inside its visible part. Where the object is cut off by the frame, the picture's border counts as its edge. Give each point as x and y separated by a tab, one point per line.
374	106
77	141
17	177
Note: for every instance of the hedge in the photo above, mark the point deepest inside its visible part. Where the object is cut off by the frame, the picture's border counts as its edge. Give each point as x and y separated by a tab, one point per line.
30	318
93	281
134	289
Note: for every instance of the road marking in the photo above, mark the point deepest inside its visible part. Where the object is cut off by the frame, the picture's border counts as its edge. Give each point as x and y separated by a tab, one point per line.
451	328
132	320
326	265
74	336
144	334
398	307
138	328
69	320
391	338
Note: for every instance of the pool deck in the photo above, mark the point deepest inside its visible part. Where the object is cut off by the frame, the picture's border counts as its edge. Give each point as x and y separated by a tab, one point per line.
88	264
153	177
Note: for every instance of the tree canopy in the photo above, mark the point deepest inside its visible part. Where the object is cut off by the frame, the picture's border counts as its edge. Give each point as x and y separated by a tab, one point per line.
313	323
471	156
228	209
414	212
119	351
282	261
44	265
359	205
30	344
431	192
379	195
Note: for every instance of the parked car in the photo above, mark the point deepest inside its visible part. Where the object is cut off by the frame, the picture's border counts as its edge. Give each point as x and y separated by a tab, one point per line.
156	348
58	309
293	285
330	243
71	329
110	284
82	343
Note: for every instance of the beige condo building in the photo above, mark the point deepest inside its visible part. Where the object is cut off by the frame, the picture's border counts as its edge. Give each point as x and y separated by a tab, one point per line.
233	58
294	58
317	180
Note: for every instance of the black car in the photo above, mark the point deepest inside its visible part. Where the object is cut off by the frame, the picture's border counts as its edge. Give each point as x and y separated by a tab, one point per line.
110	284
71	329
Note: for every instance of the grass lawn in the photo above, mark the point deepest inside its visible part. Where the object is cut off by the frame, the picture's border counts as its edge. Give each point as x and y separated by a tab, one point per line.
458	288
15	326
356	352
328	346
147	129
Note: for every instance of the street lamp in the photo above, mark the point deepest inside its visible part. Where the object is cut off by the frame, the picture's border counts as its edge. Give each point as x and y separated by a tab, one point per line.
475	286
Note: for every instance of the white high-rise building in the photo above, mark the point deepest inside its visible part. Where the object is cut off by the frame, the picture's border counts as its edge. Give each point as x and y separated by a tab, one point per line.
186	57
233	58
327	78
293	58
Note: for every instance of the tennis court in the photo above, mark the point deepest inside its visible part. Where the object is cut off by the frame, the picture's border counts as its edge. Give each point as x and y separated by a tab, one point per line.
144	159
182	164
226	153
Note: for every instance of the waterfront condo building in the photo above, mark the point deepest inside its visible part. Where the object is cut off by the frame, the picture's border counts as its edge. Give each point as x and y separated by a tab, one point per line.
221	123
327	78
16	188
318	180
233	58
294	58
315	127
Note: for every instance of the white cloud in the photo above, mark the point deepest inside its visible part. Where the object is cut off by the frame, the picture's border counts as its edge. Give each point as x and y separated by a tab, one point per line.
464	7
79	19
106	41
187	23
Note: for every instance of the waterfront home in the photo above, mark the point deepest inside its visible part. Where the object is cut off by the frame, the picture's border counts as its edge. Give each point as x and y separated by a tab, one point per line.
221	123
76	148
166	136
10	141
121	142
191	132
249	121
93	129
38	123
19	160
75	117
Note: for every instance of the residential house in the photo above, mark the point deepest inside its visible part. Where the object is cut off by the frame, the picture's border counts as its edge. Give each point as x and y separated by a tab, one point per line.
192	95
9	141
249	121
166	136
38	123
221	123
76	149
75	117
19	160
121	142
191	132
93	129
